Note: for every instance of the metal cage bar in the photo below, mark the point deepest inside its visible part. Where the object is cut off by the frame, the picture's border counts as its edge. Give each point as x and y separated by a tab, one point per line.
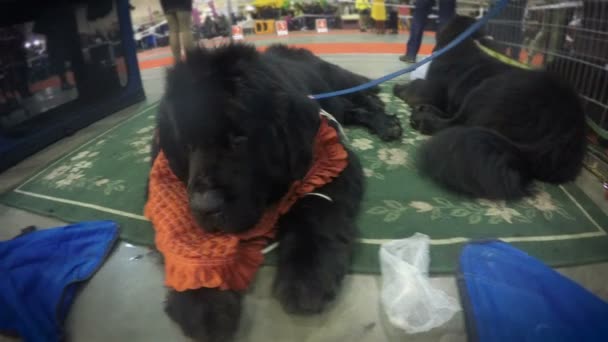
569	38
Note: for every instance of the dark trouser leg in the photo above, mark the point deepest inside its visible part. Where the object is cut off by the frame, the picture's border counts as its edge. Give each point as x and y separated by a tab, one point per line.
421	13
447	9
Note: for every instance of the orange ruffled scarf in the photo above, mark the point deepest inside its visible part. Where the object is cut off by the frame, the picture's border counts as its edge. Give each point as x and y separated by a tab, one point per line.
196	259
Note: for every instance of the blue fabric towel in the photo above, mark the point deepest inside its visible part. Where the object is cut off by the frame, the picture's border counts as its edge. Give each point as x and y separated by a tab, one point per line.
510	296
39	271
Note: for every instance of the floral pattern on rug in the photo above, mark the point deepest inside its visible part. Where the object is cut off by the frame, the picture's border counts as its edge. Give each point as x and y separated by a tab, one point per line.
479	211
380	158
106	178
88	168
78	172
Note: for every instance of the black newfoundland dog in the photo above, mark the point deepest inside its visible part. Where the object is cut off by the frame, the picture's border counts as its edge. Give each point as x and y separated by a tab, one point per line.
237	127
496	127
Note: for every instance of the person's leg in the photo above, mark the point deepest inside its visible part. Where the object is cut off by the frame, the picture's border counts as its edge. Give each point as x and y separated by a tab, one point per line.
362	21
380	25
184	19
176	48
447	9
368	19
421	13
393	21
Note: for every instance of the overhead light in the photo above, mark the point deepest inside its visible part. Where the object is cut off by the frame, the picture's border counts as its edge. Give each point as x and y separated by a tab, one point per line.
27	45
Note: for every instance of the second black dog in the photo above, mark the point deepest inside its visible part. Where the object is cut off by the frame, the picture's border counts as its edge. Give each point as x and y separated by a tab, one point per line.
496	127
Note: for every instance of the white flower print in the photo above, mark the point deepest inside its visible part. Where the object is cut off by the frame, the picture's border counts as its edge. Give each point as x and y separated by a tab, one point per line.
362	144
101	142
145	130
81	165
140	142
68	180
102	181
487	203
57	172
144	150
408	141
392	156
385	97
500	210
368	172
80	155
542	202
421	207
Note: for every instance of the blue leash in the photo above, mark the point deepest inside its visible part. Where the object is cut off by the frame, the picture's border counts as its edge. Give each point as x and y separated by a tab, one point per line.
464	35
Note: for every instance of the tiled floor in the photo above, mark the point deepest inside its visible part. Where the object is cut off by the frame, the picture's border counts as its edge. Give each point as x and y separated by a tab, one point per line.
123	301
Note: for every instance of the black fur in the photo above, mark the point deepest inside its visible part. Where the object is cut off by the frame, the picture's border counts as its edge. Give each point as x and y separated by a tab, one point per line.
238	127
496	127
317	76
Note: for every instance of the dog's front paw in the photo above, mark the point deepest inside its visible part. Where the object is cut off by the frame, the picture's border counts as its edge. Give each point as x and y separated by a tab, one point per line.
416	117
392	129
399	90
306	292
425	119
208	315
411	92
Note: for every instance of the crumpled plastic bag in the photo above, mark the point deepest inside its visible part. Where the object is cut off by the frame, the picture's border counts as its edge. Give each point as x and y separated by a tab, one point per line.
410	301
420	72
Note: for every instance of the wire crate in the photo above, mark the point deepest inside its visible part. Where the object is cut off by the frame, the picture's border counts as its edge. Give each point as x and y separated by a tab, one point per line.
569	38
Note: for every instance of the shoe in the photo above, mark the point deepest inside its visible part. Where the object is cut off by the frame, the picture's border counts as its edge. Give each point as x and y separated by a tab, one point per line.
407	59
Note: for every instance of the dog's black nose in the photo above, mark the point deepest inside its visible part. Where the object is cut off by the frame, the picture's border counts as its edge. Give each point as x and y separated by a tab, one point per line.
208	202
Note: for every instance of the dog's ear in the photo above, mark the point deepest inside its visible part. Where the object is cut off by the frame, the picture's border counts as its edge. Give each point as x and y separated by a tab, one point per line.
455	27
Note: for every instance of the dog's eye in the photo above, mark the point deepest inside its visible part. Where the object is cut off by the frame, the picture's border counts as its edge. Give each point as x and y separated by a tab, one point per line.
237	141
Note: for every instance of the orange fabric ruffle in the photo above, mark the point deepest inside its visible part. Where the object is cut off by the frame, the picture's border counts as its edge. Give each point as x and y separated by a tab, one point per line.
196	259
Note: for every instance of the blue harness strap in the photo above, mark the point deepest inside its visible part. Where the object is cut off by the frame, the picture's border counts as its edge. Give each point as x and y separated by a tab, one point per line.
510	296
39	271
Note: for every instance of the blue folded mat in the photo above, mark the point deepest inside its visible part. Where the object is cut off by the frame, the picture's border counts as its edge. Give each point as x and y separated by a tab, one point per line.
510	296
39	271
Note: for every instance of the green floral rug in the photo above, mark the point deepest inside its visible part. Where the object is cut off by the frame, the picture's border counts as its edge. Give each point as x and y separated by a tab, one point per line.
105	179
